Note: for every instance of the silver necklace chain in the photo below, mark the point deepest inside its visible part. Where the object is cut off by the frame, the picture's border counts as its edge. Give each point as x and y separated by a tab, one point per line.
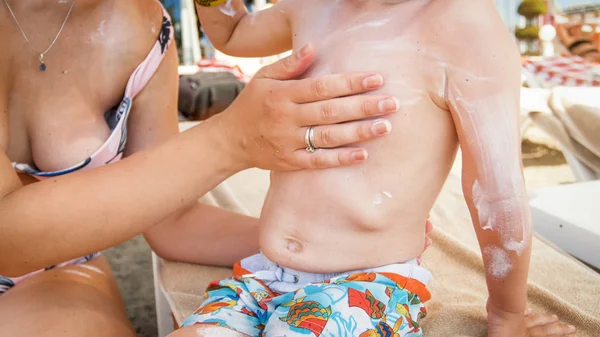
42	64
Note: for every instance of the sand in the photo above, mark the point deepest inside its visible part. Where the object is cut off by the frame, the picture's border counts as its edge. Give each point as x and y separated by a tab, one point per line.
132	265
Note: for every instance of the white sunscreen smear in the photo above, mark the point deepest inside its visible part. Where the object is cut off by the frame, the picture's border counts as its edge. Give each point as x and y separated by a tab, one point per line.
370	24
227	9
92	268
489	121
499	262
100	29
378	200
76	272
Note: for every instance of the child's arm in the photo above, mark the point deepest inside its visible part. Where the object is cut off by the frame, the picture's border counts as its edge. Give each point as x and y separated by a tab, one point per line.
234	31
483	84
482	90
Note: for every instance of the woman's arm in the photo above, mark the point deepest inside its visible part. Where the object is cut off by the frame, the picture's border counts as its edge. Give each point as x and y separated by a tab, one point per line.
205	234
234	31
68	216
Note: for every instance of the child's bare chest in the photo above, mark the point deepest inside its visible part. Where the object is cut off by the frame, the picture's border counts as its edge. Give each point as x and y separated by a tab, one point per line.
389	42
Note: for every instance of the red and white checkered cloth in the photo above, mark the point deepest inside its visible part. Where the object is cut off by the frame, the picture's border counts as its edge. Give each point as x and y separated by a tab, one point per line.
211	65
572	71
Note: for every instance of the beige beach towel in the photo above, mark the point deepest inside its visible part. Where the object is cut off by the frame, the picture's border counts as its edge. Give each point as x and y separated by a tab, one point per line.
558	283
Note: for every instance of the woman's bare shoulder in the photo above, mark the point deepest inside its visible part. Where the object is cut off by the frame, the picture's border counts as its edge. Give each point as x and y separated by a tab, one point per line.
127	29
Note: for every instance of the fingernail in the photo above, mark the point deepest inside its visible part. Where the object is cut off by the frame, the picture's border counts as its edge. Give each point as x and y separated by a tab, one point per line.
381	127
360	155
373	82
388	105
554	317
572	327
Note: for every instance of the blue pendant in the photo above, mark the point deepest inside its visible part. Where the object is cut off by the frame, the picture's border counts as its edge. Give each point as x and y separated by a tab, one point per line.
42	64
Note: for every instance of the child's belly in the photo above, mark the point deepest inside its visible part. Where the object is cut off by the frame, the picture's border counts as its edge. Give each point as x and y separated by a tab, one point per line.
368	215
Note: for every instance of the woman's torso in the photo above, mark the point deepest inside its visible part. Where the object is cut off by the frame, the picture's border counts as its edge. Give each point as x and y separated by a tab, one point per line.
52	120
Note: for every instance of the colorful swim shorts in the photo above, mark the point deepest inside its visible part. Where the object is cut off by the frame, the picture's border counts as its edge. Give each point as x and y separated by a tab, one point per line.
265	299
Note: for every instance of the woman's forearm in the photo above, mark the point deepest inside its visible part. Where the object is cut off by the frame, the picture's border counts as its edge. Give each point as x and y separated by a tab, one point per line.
206	235
80	213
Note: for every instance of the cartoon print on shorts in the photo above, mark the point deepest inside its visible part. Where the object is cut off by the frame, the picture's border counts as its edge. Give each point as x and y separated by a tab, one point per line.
309	315
367	302
215	306
407	306
383	329
360	277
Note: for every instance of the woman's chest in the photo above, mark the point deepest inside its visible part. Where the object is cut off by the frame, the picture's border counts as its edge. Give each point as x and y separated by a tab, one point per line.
56	122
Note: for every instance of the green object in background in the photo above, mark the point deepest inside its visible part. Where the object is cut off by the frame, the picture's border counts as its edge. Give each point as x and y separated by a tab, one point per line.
532	8
528	33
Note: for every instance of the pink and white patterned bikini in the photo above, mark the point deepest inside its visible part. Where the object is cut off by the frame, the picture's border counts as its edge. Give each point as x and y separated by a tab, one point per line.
112	150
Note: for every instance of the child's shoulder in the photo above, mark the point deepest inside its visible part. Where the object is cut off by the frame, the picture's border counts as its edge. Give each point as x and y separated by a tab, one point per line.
463	9
299	8
469	27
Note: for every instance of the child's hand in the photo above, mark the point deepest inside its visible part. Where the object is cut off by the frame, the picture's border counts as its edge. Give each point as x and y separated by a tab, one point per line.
504	324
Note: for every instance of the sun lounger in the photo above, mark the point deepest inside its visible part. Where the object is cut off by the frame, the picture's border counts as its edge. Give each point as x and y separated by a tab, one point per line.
573	120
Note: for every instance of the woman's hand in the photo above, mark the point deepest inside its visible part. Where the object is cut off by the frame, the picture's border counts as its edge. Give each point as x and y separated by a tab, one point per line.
266	125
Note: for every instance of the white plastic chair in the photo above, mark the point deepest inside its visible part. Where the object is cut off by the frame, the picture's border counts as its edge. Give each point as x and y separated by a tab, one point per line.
569	217
164	316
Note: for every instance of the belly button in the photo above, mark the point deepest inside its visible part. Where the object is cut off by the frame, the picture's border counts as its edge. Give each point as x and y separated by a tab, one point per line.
293	245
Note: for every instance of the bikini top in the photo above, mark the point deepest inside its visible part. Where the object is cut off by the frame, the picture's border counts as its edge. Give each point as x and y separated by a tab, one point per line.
112	149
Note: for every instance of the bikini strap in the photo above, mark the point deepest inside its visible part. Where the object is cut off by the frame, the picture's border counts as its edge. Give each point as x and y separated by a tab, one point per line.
144	72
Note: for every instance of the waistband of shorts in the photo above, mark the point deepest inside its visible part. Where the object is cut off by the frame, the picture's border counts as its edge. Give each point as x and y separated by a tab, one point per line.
409	275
